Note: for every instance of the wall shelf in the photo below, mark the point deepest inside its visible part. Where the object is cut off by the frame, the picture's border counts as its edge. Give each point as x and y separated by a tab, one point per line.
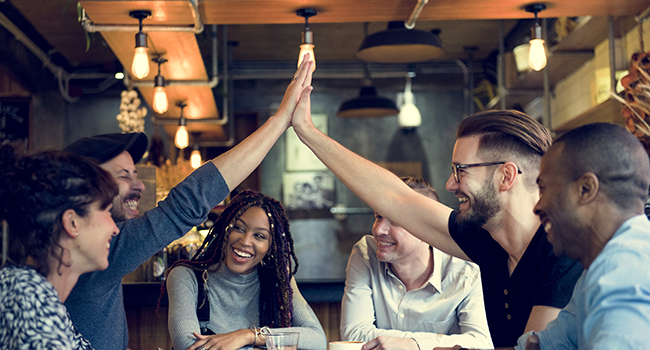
608	111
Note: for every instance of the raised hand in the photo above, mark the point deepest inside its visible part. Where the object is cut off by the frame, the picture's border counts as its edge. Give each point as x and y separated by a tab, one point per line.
301	81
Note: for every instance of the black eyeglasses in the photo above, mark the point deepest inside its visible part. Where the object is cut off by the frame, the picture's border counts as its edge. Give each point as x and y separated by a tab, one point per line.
455	167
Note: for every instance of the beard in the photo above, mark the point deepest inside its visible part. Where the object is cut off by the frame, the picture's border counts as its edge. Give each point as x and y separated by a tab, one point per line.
485	206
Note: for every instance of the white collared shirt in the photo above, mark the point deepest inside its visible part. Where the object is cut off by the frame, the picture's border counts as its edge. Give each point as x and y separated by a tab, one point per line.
447	310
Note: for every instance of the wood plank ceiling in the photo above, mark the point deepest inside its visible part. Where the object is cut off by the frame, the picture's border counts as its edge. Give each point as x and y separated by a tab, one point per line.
269	30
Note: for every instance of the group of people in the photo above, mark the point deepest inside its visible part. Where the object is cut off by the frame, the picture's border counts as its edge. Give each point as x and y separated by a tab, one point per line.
536	219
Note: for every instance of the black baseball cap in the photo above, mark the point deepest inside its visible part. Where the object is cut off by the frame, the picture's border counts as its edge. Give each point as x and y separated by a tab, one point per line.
102	148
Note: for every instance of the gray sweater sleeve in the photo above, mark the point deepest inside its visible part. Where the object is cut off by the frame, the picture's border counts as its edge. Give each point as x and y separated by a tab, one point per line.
312	336
182	292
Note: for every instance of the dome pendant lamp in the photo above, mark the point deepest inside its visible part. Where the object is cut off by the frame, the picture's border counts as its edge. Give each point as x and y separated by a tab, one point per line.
400	45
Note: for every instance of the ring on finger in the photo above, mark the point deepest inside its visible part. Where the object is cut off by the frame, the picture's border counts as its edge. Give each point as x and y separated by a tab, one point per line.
294	78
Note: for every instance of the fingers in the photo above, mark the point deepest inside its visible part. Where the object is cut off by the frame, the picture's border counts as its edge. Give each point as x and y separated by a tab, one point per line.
304	74
371	344
199	336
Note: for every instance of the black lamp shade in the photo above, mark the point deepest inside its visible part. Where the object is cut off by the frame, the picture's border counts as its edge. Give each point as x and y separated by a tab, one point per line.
368	105
400	45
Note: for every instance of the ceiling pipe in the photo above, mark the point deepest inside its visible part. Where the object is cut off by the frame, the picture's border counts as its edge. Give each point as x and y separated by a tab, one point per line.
212	83
410	23
197	28
59	73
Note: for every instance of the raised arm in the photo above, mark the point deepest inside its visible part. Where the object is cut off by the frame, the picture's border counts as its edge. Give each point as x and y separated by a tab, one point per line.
378	187
236	164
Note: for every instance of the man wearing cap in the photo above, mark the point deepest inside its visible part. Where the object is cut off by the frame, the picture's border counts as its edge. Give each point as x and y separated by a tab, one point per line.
96	302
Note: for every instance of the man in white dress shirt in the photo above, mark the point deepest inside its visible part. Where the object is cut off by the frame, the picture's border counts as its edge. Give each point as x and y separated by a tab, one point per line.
401	293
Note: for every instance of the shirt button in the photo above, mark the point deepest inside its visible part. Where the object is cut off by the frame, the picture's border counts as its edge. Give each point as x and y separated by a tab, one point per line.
400	286
508	317
506	305
401	315
505	291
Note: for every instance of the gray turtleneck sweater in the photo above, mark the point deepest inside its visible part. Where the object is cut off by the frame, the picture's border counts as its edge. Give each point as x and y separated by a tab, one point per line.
234	304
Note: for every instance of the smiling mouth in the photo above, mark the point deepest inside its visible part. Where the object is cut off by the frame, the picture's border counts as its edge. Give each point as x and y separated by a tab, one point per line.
385	244
241	254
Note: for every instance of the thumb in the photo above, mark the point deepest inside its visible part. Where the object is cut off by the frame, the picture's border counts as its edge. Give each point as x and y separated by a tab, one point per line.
199	336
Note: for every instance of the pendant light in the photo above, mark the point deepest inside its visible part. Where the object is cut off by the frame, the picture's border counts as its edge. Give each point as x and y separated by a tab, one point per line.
140	66
195	158
182	139
409	115
160	102
537	53
400	45
307	37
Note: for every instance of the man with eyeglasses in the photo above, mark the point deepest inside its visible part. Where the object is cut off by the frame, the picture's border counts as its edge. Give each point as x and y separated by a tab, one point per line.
495	164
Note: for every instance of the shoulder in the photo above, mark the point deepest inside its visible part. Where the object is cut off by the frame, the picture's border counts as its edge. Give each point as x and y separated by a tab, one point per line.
181	274
26	282
458	268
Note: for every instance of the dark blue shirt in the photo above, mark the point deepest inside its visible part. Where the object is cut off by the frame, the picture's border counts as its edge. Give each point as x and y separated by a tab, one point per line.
540	278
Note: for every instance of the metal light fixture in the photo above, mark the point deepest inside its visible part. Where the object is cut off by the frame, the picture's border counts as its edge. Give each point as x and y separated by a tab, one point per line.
397	44
409	115
307	37
140	66
537	53
182	139
368	104
160	102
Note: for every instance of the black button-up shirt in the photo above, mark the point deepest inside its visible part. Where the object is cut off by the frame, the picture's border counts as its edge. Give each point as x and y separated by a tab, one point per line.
540	278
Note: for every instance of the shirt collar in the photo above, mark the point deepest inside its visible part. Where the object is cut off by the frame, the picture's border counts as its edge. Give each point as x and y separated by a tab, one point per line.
435	280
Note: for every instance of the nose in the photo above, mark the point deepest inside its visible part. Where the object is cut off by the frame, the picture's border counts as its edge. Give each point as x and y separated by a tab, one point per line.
380	227
451	184
245	239
538	208
136	184
116	231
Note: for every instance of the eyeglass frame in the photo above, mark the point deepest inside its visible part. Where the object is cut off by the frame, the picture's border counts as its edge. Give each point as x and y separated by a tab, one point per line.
455	167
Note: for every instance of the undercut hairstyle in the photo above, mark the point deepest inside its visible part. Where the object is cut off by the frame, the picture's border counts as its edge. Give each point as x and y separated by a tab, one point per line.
36	190
509	136
421	186
614	155
276	269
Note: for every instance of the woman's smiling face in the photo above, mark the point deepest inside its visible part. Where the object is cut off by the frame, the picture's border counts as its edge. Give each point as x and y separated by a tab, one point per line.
249	241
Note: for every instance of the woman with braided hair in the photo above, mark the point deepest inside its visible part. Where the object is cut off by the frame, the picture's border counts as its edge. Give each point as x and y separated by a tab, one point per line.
57	207
243	272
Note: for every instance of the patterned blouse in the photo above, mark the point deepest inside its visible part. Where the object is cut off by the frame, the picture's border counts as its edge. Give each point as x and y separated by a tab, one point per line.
32	315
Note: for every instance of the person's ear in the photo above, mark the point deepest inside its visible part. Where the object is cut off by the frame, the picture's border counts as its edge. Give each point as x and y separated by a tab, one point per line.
588	187
68	220
509	172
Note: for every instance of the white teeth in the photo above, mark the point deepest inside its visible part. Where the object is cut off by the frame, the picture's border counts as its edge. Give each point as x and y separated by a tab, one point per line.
547	226
242	254
131	204
385	244
462	199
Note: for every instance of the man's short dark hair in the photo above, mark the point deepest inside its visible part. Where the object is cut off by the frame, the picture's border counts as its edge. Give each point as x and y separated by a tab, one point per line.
421	186
509	135
614	155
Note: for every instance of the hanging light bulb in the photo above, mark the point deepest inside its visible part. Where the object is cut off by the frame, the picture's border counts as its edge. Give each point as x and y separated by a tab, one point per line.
160	102
537	53
409	115
195	158
182	139
140	66
307	38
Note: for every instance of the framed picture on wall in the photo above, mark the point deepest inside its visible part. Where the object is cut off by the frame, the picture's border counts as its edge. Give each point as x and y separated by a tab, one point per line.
308	191
14	119
299	157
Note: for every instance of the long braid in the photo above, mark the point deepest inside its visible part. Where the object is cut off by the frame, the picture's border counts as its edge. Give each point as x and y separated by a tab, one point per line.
275	272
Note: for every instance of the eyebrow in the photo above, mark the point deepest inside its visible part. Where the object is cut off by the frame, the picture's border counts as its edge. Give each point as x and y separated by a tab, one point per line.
254	228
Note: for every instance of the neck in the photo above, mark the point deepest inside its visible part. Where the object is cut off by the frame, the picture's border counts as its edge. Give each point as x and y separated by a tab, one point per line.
415	272
63	279
600	231
515	225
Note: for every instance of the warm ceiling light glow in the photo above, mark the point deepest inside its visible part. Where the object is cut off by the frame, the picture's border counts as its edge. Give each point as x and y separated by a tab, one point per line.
195	158
409	115
140	66
307	38
182	139
160	102
119	75
537	53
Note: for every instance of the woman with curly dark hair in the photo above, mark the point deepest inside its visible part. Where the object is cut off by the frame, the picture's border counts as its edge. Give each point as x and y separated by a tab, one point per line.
57	207
242	276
